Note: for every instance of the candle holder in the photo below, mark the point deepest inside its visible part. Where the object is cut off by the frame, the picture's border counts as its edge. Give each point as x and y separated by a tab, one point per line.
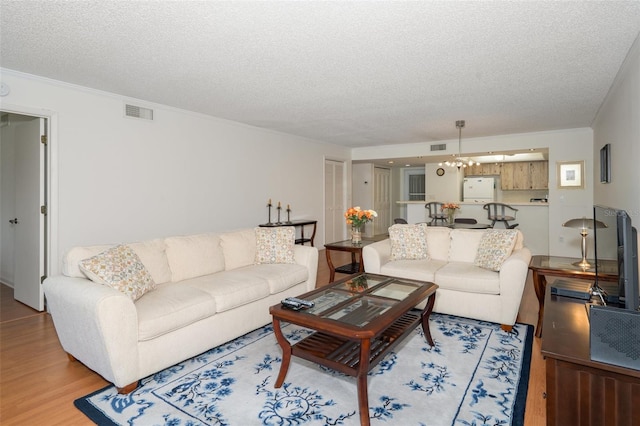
288	214
269	209
279	208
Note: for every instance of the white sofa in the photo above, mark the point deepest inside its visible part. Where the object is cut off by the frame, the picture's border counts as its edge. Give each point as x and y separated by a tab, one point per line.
209	291
464	289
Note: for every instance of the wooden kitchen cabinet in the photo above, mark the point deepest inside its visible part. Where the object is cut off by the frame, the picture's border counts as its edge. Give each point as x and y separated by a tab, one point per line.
539	174
525	175
485	169
506	176
475	170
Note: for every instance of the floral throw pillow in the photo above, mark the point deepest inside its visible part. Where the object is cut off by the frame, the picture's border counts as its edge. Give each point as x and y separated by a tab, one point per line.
119	267
408	242
495	247
275	245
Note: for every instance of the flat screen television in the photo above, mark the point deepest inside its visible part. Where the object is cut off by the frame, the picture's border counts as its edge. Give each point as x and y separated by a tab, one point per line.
618	241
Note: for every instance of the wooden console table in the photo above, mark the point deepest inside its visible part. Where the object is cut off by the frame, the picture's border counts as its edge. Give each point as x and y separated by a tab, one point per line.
298	224
557	266
581	391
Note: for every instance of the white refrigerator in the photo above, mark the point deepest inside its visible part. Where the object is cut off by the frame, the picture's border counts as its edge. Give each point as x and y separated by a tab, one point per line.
479	189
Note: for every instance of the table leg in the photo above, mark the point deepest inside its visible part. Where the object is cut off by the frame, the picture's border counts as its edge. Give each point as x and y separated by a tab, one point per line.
539	285
426	312
332	269
361	264
286	352
363	394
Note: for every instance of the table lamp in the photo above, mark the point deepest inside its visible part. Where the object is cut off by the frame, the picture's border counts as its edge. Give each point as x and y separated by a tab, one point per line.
583	224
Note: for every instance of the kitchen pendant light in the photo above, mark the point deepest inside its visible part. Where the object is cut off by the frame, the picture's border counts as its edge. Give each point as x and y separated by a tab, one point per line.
458	161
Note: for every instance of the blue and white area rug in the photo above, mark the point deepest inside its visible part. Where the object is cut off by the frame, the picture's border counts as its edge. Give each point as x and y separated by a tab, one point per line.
476	374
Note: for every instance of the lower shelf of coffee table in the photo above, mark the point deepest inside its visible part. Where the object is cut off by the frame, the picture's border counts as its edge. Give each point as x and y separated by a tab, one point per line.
343	354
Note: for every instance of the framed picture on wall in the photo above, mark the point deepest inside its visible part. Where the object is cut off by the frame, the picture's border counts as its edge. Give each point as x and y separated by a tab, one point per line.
570	174
605	164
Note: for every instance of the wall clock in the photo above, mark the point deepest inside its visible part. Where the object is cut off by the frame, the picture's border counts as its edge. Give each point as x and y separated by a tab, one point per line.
440	171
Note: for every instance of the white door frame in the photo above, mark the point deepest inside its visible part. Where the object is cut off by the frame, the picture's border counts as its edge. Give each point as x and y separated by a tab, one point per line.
52	266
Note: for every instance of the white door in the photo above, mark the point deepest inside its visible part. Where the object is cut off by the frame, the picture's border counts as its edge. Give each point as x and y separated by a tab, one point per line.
382	200
334	203
29	253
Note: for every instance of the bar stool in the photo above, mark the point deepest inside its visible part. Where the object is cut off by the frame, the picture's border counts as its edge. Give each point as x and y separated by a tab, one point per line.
435	212
499	212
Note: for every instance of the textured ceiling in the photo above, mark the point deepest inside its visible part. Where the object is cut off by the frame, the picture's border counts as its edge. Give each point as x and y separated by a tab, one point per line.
353	73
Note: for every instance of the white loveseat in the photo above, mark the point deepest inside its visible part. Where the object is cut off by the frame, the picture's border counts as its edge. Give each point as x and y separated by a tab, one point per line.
464	289
209	290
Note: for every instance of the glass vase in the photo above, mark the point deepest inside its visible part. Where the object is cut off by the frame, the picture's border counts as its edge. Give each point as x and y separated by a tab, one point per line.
450	214
356	234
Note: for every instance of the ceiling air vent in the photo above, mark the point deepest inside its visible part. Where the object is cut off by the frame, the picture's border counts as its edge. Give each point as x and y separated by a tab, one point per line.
138	112
439	147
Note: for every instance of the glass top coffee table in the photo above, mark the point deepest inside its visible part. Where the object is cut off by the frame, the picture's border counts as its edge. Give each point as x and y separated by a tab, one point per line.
357	321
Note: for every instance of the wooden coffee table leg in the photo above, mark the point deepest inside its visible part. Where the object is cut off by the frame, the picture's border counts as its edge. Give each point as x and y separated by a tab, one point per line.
540	286
363	394
426	312
286	352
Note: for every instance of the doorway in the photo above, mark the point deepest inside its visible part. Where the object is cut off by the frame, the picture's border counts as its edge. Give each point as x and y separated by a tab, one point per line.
24	224
334	200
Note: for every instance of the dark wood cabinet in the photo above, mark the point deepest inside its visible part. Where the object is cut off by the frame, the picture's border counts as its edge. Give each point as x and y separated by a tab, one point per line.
581	391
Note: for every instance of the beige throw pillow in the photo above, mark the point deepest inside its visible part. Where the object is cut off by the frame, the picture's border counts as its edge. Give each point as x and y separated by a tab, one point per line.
408	242
495	247
119	267
275	245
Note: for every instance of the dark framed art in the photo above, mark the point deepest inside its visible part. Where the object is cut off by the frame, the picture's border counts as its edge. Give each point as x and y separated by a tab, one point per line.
605	164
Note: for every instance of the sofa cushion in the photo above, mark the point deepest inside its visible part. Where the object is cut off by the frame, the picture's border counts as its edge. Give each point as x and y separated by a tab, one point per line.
495	247
423	270
153	255
239	248
466	277
279	276
464	244
408	242
231	289
275	245
170	307
438	242
119	267
193	256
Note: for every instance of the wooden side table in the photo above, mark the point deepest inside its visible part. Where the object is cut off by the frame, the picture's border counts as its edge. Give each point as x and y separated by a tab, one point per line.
558	266
356	265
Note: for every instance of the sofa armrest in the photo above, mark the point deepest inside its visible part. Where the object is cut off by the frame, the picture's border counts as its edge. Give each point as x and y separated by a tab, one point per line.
375	255
97	325
513	276
308	256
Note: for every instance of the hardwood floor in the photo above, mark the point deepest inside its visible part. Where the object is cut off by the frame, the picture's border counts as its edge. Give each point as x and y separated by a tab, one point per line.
38	383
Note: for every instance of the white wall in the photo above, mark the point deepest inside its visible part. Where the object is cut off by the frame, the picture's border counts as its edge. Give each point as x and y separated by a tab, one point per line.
363	190
618	124
445	188
123	180
563	145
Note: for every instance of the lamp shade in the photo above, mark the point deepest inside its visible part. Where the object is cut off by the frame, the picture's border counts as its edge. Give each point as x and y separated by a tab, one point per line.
584	223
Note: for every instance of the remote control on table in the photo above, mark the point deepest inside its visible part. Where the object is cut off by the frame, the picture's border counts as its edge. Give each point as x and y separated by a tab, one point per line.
306	303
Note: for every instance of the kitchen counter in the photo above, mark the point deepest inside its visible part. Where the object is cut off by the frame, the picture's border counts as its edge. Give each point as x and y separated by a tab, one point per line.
532	219
462	203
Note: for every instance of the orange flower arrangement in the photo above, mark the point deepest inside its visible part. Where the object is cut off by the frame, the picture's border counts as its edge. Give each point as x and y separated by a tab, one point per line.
450	206
357	217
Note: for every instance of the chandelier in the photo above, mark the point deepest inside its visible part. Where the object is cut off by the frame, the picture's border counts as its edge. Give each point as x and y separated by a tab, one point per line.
458	161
